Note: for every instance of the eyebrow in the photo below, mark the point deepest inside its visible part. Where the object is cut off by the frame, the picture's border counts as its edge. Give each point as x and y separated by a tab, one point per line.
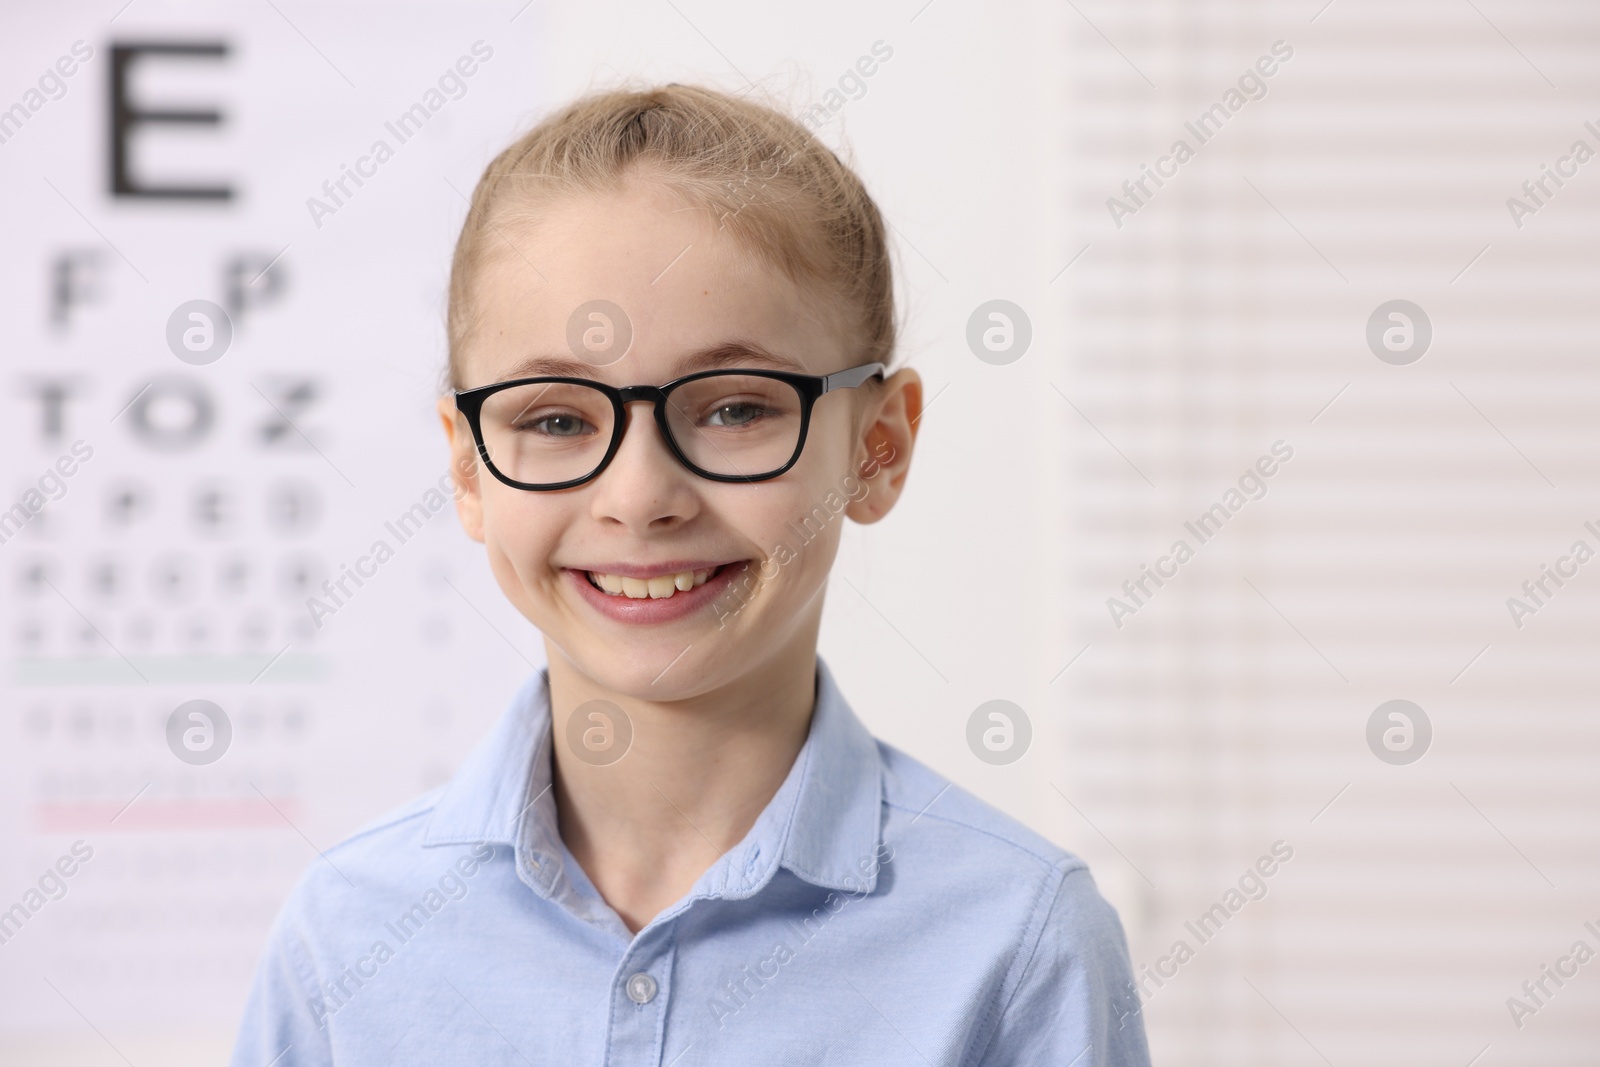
727	354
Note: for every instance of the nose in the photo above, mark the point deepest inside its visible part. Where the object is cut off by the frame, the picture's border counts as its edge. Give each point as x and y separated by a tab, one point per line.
644	488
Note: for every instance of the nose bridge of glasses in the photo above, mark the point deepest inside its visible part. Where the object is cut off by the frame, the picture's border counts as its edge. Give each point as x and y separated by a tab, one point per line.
645	394
641	394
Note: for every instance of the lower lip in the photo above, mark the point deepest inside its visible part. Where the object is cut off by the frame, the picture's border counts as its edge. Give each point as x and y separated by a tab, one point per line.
668	609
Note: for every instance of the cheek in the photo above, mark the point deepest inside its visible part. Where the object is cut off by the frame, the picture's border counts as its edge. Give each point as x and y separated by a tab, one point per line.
521	530
833	443
795	525
806	502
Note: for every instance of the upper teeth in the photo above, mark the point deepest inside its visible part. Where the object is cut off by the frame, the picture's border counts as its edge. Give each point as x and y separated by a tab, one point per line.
657	588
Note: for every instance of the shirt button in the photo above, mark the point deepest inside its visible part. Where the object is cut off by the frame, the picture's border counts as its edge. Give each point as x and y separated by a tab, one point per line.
641	988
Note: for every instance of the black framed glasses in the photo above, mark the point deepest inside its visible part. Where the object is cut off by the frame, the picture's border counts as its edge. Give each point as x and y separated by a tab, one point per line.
552	433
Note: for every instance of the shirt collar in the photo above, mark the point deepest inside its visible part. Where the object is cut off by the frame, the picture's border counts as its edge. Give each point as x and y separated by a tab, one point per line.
823	824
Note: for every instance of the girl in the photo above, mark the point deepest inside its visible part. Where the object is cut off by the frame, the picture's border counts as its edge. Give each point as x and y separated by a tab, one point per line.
670	322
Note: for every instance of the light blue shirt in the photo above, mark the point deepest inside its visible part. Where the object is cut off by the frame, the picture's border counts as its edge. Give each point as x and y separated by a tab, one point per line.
874	914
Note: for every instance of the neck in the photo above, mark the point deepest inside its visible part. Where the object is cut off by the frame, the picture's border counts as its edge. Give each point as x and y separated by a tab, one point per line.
698	773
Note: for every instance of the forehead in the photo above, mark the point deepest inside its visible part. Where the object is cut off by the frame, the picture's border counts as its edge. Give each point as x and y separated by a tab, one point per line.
666	280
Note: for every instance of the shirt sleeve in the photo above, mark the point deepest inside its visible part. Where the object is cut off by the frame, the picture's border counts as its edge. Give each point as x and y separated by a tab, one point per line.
280	1027
1076	1005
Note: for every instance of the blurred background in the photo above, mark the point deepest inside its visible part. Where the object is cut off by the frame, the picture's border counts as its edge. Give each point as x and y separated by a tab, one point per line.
1258	474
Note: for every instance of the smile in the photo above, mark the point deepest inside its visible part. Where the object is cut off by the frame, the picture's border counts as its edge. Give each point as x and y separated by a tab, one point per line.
660	587
655	594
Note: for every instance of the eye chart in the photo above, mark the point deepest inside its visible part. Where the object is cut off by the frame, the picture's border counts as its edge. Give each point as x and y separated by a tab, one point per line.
236	601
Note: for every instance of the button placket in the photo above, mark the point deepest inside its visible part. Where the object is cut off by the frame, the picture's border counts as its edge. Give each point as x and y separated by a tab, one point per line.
640	999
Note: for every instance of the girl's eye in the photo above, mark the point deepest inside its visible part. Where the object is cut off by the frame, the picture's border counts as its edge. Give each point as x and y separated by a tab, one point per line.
560	425
736	413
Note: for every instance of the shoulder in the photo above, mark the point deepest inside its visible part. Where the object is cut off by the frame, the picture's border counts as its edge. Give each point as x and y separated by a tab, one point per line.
390	839
959	848
346	884
915	794
397	821
1063	981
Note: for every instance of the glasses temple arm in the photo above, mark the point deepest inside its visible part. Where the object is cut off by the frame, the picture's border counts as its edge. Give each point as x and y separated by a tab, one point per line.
849	379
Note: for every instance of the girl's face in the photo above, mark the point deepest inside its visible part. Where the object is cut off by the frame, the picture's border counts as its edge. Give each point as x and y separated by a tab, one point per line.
687	290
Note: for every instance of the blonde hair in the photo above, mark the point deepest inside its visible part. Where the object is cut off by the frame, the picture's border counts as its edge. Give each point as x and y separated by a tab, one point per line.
780	191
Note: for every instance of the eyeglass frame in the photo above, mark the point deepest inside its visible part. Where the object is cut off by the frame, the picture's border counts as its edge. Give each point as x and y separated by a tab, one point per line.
810	387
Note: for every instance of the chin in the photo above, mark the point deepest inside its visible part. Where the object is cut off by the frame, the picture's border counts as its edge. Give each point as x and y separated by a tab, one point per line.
658	673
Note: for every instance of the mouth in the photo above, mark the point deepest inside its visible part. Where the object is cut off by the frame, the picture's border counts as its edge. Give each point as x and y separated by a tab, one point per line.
657	587
660	594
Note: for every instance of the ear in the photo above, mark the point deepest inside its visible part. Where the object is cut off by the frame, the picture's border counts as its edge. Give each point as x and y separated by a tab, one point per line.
463	467
883	456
